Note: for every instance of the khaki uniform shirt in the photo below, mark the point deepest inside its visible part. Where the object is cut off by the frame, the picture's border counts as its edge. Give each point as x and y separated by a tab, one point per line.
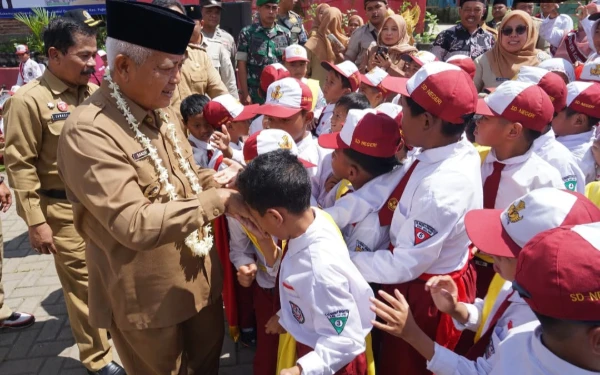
225	38
141	275
34	118
359	43
219	56
197	77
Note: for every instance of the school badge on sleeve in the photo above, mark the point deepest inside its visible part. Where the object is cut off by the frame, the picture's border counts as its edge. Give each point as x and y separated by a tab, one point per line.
297	313
423	232
338	320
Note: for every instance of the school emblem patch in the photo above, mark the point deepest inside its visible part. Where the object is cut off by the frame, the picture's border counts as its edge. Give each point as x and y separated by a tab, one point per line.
570	182
276	94
297	313
595	71
338	320
423	232
62	106
360	247
513	212
285	143
392	204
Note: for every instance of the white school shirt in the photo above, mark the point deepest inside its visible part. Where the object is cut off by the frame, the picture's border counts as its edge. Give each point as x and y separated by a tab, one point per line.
580	146
309	150
238	151
28	71
521	174
324	126
243	252
518	314
200	151
521	353
553	30
558	156
324	299
427	230
256	125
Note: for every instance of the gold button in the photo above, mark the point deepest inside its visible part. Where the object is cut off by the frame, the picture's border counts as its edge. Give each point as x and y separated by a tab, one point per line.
216	212
97	104
150	120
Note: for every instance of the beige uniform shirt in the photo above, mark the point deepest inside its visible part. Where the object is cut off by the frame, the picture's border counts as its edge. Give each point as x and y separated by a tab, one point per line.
359	43
34	118
197	77
141	275
219	56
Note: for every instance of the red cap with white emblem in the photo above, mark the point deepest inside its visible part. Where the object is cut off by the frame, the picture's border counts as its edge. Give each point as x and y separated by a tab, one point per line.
226	108
464	62
550	82
346	69
295	52
584	97
374	79
285	98
272	73
268	140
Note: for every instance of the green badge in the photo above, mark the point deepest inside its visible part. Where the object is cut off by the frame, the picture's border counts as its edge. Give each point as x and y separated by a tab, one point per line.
570	182
338	320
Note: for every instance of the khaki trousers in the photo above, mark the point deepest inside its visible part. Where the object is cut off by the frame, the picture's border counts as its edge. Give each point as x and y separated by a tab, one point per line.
192	347
94	349
5	311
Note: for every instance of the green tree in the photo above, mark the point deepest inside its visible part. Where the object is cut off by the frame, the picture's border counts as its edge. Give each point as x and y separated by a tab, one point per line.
36	22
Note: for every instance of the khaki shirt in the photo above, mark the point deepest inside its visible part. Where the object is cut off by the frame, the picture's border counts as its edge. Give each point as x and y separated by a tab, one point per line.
219	56
225	38
359	43
34	118
141	275
197	77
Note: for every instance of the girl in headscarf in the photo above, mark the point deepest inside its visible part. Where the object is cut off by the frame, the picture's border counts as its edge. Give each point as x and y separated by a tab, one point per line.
318	17
354	22
395	38
319	48
515	48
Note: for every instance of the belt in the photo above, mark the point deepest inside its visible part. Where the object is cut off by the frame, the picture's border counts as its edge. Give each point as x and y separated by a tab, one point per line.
55	194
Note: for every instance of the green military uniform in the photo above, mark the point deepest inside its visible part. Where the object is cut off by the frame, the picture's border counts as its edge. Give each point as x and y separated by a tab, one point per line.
293	22
260	47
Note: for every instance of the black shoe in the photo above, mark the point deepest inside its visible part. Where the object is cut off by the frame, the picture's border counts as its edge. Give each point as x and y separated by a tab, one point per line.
248	338
18	320
111	369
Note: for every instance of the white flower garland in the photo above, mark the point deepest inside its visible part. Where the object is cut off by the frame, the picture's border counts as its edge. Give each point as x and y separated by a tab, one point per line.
198	247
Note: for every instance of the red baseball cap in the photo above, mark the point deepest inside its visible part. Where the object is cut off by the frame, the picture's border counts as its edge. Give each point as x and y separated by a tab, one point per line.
557	273
421	57
395	112
505	232
374	79
272	73
295	52
591	71
522	102
346	69
21	49
268	140
584	97
224	108
464	62
285	98
442	89
365	131
550	82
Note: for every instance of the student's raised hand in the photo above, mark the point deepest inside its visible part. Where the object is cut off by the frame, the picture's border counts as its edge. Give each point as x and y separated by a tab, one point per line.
221	140
291	371
397	316
246	274
227	176
273	327
444	293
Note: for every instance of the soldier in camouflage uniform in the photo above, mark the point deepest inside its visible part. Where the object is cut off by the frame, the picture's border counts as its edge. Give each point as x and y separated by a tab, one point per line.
291	21
259	45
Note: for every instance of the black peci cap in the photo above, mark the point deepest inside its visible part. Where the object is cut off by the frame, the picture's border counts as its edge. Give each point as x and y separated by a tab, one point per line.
211	3
135	23
194	12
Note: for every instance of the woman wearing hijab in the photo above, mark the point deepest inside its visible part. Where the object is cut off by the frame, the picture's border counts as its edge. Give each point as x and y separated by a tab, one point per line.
515	48
354	22
318	17
393	37
319	48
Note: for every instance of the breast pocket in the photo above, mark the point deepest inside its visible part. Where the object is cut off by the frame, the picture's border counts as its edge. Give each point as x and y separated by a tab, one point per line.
198	75
258	48
214	59
149	182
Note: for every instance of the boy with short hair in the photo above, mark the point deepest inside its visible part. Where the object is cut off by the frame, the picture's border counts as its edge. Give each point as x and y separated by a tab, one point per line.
322	295
225	113
342	79
512	118
270	74
372	88
574	126
546	146
295	59
354	100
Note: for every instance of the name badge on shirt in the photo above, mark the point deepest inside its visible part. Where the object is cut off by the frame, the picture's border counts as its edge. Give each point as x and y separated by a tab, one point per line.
60	116
140	155
500	79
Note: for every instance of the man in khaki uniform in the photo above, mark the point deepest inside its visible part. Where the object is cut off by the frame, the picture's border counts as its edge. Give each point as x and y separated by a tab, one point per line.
160	300
35	116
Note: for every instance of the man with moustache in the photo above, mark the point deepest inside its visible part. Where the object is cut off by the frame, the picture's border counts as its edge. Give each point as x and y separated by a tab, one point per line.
35	116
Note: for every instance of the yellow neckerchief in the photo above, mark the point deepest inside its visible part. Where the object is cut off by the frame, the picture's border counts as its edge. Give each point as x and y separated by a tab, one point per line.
286	352
592	192
314	87
483	153
490	298
343	188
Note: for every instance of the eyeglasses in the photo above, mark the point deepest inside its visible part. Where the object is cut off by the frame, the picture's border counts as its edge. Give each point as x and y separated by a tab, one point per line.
520	30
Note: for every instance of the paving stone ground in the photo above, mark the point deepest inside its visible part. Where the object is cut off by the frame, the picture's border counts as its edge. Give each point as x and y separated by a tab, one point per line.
47	348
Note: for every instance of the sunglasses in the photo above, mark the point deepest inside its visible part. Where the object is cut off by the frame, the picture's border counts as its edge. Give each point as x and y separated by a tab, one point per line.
520	30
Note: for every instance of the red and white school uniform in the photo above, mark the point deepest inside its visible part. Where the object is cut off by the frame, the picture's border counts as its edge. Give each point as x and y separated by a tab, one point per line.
205	155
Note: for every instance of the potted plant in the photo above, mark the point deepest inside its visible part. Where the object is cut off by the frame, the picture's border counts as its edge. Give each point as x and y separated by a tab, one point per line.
425	40
36	22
